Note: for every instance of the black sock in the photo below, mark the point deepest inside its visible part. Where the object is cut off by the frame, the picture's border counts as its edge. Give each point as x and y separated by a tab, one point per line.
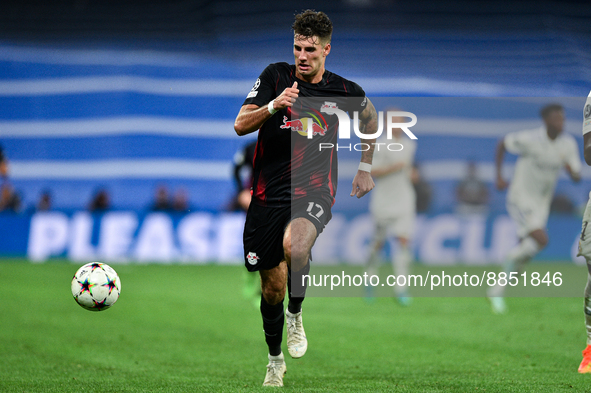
297	291
273	320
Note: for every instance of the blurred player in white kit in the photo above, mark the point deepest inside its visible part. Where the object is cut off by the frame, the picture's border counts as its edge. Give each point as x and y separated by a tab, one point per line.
543	153
393	204
585	240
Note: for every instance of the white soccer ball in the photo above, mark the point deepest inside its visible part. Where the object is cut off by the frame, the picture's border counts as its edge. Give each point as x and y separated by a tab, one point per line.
96	286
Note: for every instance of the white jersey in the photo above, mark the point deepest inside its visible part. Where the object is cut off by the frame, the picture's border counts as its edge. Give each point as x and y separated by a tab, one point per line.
538	167
394	194
587	115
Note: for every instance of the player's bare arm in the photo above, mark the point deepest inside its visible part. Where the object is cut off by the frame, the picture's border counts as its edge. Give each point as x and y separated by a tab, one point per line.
499	156
368	124
251	117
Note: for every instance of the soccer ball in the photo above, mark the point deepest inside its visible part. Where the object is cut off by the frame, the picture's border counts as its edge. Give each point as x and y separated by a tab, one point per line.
96	286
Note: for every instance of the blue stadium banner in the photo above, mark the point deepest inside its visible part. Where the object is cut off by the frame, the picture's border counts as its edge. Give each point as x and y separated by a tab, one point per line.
204	237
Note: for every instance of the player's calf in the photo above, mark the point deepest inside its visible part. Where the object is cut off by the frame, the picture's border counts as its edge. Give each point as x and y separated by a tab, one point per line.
273	283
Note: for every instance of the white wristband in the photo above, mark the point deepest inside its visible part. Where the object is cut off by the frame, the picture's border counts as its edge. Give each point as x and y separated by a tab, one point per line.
271	109
365	167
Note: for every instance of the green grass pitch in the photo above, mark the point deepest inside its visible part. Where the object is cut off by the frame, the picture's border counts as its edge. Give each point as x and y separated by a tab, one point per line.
180	328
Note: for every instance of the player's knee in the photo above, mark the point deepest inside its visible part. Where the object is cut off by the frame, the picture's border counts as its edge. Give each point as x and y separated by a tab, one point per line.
287	249
540	237
273	292
297	256
542	241
403	242
377	245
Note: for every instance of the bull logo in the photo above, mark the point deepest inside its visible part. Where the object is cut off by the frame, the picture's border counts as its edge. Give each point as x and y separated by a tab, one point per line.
301	126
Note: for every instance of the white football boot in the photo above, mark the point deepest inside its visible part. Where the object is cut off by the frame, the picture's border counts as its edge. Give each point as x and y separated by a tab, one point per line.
297	344
276	369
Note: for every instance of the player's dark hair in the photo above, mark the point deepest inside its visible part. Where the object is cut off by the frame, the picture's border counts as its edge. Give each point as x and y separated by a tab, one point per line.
311	23
546	110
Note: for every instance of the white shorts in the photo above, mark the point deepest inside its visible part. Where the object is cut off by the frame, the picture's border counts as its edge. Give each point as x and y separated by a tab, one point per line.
528	218
401	226
585	239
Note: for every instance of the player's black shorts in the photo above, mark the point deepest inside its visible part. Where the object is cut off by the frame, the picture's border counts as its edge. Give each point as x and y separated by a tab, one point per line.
265	226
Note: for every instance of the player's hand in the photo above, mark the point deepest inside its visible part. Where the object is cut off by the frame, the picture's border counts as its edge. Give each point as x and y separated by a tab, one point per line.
244	198
573	175
501	184
287	97
362	184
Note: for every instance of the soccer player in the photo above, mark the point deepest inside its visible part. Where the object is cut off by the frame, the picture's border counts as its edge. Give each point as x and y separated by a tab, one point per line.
585	240
294	181
543	153
393	206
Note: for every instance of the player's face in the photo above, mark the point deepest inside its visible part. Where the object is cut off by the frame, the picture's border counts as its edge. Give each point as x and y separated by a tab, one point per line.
310	54
554	123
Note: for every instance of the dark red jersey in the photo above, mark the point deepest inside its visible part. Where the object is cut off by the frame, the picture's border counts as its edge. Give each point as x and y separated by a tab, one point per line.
287	164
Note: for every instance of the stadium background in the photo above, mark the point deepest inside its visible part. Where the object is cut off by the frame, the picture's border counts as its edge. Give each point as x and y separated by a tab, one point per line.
131	95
